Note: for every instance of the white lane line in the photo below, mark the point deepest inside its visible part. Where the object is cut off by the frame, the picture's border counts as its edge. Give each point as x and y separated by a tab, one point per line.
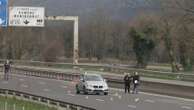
69	92
115	95
100	100
25	86
111	99
71	95
42	83
21	79
38	78
132	106
149	101
64	87
186	107
120	97
46	90
166	96
157	95
136	99
115	89
86	97
5	82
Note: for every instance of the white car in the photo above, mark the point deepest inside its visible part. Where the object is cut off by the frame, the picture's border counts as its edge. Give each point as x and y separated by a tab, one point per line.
92	84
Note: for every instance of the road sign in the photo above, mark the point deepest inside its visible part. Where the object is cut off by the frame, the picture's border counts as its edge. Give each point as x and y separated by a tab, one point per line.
3	13
26	16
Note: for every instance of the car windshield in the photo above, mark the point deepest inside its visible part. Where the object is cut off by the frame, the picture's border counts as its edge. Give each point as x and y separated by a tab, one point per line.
93	78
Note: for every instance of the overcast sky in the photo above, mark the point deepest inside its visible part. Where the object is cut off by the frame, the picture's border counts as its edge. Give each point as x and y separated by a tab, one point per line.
116	8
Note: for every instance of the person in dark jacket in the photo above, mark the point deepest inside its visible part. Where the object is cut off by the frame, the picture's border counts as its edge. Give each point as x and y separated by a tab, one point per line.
127	82
6	70
136	81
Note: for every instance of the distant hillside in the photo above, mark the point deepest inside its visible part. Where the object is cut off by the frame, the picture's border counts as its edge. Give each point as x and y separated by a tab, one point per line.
117	9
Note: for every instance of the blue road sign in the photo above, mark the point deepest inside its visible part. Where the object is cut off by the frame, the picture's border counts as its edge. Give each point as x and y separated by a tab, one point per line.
3	13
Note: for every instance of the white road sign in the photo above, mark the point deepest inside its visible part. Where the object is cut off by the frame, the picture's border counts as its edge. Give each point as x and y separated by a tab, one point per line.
26	16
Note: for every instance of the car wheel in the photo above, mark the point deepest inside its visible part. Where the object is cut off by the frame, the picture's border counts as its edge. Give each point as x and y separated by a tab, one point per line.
84	90
77	89
105	93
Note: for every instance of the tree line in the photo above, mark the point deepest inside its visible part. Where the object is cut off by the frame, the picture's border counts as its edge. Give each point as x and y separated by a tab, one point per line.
162	35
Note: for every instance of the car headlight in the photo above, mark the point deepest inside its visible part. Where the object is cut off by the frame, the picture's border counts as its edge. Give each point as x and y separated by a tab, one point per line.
106	86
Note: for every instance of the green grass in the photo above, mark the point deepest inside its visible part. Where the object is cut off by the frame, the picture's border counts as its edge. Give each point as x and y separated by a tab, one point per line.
19	104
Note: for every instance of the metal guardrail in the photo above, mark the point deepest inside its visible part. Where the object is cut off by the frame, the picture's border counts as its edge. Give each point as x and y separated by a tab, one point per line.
61	105
111	68
114	81
73	76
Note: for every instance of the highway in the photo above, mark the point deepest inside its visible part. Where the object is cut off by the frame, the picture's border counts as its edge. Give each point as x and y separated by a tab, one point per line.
116	100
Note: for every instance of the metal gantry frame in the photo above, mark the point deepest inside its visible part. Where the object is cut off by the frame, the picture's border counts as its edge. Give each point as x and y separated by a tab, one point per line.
76	33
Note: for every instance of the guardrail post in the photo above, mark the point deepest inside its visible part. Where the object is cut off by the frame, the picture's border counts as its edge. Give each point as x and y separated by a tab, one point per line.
6	93
59	107
48	102
39	99
22	96
68	107
14	94
5	105
78	108
30	97
14	107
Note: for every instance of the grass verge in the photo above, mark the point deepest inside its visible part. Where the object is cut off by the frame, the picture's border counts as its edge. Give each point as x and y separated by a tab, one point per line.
21	104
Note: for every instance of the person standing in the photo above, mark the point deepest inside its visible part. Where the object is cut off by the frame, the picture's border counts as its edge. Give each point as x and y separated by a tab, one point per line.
136	81
6	70
127	82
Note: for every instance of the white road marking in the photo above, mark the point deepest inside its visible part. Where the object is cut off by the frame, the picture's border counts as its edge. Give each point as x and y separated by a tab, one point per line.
25	86
120	97
71	95
186	107
21	79
157	95
38	78
169	101
116	89
136	99
42	83
86	97
132	106
64	87
46	90
149	101
166	96
5	82
111	99
116	94
100	100
69	92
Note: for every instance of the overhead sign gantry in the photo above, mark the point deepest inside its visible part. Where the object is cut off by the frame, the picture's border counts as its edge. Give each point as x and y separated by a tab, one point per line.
35	17
3	13
26	16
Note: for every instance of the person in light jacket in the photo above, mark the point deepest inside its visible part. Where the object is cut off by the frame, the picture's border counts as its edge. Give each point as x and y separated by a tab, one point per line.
136	81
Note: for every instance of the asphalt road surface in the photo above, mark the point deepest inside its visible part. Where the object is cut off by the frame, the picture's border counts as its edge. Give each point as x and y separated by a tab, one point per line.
116	100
